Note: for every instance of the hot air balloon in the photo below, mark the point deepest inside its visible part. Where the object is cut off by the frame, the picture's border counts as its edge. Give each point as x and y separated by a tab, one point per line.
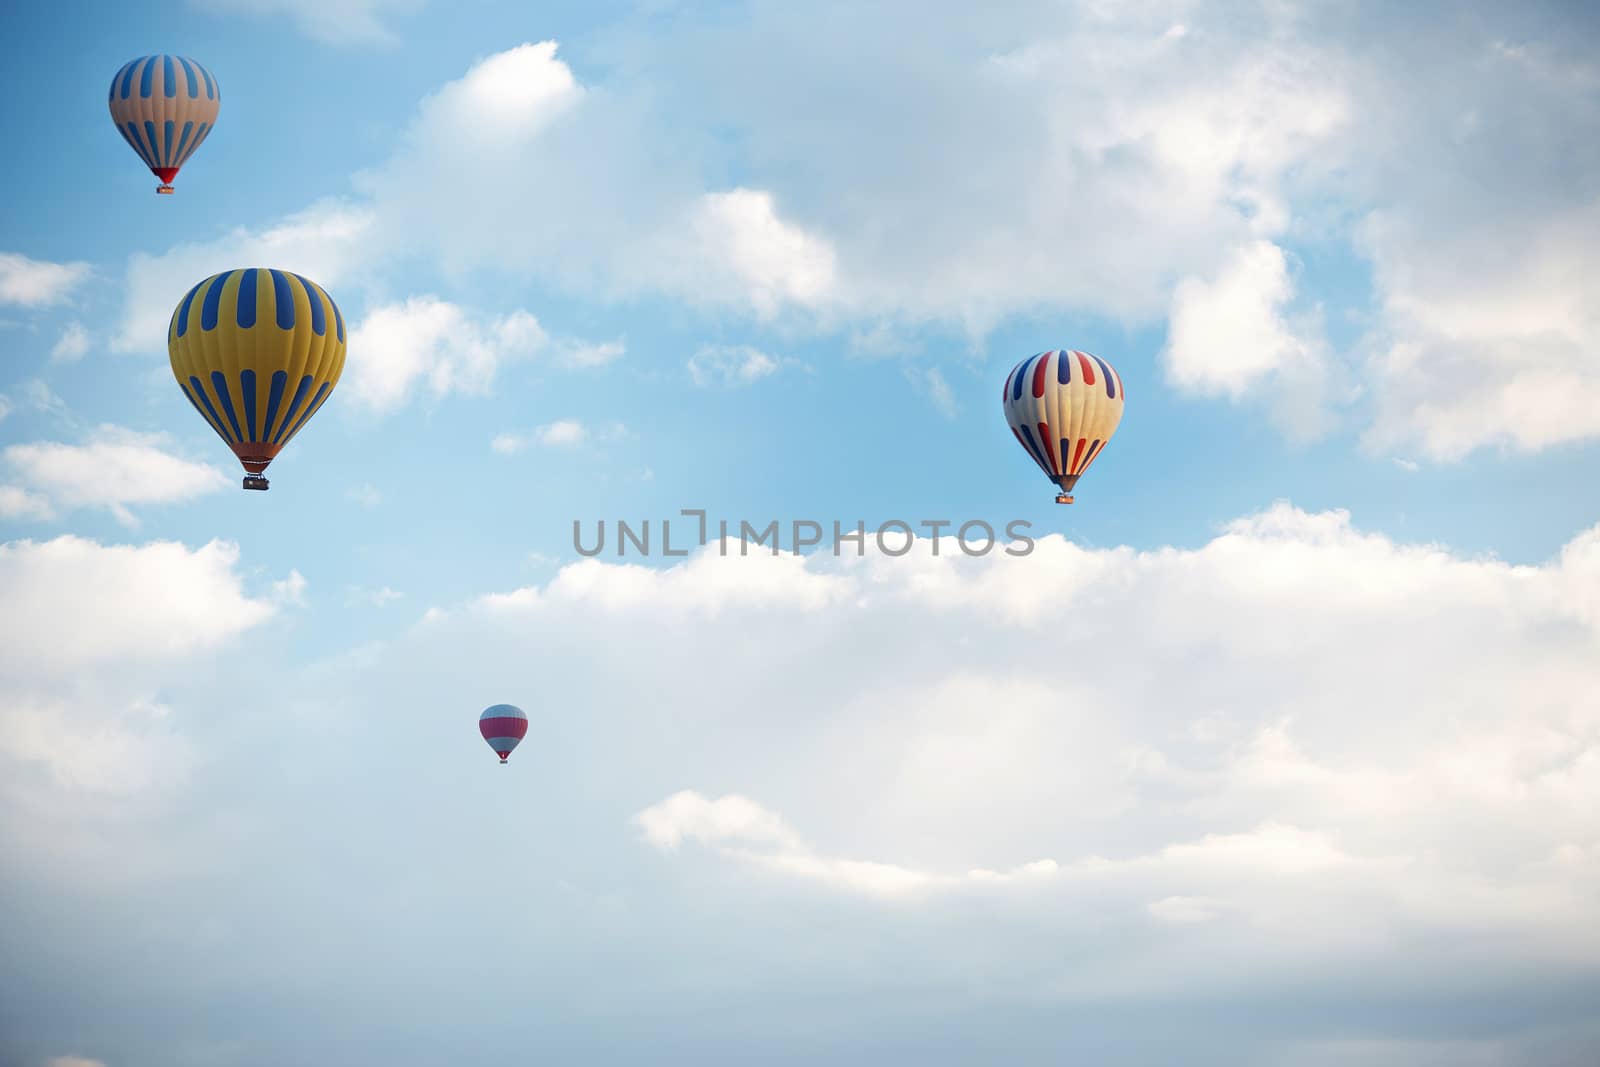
164	106
1063	407
503	726
256	351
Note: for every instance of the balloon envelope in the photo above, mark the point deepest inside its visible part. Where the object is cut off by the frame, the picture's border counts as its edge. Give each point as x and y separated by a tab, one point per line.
1063	407
503	726
256	351
164	107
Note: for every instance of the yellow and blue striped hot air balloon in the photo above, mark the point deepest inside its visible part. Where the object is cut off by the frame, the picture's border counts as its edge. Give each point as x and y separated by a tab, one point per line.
164	106
256	351
1063	407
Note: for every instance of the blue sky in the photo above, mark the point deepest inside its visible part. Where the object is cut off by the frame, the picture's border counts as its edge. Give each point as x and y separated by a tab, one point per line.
1280	749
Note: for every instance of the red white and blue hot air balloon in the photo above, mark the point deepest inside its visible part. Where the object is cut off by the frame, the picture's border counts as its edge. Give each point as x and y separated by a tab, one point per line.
503	726
1063	407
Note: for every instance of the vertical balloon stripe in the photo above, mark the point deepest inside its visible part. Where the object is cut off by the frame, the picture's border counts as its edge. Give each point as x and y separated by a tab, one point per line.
1064	368
219	383
216	422
1105	372
1038	374
169	77
319	320
280	381
183	310
155	145
190	81
183	144
144	76
126	136
294	406
130	133
1047	439
1088	371
1038	456
1016	381
1078	453
208	308
1094	450
201	410
127	79
1121	389
245	315
282	300
311	409
338	319
212	92
247	390
166	137
136	139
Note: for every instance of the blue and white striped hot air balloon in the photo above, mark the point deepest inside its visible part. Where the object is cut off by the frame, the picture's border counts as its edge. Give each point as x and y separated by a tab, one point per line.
164	107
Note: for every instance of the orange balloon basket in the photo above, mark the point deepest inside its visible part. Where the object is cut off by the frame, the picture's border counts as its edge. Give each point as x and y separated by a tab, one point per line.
1063	498
164	190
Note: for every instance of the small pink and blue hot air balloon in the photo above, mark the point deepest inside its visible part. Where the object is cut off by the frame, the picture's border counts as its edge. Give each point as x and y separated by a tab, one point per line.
503	726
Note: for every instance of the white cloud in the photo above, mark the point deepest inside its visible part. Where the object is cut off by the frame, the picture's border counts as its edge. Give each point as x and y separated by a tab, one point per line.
429	342
730	365
324	242
922	195
939	392
365	494
79	605
74	1061
18	503
581	354
1184	909
42	398
736	248
90	633
1228	334
72	346
36	283
1416	790
115	468
1191	793
291	590
562	433
5	406
335	22
1489	336
741	828
510	95
378	598
1074	159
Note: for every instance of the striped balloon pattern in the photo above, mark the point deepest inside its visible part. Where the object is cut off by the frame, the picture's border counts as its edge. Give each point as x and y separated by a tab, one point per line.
164	107
1063	407
503	726
257	352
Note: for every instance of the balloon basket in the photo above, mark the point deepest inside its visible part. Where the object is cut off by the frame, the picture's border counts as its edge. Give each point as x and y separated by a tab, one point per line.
1063	499
164	190
255	481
